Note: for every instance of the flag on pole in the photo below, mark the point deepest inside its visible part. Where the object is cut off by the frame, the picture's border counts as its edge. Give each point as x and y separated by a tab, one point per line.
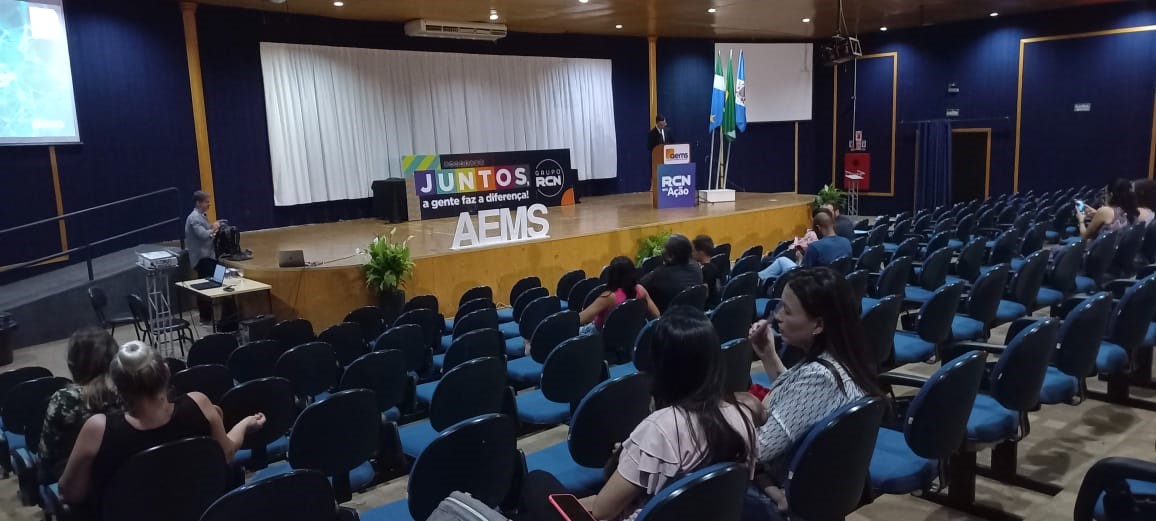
717	95
728	124
741	95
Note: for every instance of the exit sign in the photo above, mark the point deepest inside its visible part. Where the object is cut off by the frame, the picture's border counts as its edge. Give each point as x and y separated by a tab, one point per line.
1082	107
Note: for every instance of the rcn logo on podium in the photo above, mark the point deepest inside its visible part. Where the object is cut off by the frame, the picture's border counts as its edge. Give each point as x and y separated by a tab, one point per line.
676	154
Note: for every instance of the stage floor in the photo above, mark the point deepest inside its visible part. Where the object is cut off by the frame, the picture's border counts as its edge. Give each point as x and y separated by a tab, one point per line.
584	236
334	244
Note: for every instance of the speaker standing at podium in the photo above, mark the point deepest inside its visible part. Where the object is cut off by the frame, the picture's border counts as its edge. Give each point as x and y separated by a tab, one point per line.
659	135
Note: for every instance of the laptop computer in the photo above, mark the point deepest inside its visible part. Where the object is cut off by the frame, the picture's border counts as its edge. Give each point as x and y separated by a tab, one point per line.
291	259
215	282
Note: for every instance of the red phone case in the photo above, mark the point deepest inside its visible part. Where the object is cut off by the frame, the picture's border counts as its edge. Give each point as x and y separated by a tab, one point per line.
567	515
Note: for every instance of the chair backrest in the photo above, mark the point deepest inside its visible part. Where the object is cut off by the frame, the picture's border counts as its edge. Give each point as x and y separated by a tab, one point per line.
1033	239
258	327
1026	284
347	341
371	319
421	302
721	263
382	372
99	301
478	343
526	297
983	301
736	358
13	377
863	225
536	311
472	306
844	440
292	333
551	332
843	265
311	368
724	248
907	248
410	340
747	264
1004	248
524	284
879	325
756	250
733	317
607	415
572	369
478	456
970	259
471	389
431	325
694	296
336	434
745	284
566	282
858	246
781	247
1100	255
1065	268
1129	323
578	293
1080	335
899	231
621	329
299	495
212	349
1124	261
1018	375
212	380
476	292
877	235
139	311
936	419
176	481
254	360
485	318
964	226
938	312
1148	245
644	348
893	278
649	264
273	397
593	295
859	280
714	492
871	259
937	241
25	398
935	269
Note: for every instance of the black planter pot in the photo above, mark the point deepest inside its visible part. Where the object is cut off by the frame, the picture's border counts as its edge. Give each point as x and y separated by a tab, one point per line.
391	302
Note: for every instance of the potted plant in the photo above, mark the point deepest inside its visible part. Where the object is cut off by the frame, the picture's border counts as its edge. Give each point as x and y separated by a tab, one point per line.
388	267
829	194
651	245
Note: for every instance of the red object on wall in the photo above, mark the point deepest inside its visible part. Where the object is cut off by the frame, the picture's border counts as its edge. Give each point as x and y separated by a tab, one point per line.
857	163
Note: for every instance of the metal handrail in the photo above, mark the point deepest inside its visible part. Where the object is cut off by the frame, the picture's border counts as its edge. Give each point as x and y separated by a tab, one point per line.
91	244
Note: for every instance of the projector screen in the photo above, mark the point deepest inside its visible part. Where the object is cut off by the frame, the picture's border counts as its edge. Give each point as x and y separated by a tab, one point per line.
778	77
36	100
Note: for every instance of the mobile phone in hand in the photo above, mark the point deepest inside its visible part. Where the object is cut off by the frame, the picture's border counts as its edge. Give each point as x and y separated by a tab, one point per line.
570	508
1079	206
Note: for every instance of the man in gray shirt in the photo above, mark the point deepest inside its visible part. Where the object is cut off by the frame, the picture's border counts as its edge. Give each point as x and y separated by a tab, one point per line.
199	234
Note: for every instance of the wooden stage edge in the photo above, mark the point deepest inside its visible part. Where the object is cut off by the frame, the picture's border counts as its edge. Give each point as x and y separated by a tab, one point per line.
584	236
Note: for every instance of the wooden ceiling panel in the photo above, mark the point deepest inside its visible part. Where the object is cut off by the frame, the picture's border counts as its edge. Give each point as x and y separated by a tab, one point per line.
734	19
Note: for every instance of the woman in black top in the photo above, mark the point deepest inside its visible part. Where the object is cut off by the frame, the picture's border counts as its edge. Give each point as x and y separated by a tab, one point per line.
107	441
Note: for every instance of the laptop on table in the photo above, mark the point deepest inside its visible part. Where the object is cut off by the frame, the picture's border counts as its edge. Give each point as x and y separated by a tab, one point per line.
215	282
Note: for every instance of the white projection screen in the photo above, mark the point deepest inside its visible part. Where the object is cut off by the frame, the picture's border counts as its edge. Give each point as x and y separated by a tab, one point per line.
778	77
37	105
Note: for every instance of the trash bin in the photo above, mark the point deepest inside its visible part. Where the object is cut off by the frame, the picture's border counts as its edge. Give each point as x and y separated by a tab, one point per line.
7	332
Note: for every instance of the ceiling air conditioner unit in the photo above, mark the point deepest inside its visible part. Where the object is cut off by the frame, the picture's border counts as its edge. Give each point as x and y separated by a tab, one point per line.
456	30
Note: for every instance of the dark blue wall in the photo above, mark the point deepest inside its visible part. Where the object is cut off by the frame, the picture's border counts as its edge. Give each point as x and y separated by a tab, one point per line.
1115	73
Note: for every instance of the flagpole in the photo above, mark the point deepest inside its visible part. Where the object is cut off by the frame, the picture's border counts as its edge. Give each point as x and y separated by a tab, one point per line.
710	165
719	177
728	163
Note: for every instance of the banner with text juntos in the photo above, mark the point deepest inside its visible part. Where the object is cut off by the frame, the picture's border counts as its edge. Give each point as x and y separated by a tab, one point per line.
448	184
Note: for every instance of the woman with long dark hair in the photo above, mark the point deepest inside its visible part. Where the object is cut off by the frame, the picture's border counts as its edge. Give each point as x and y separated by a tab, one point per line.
1145	190
696	424
819	318
1119	211
621	284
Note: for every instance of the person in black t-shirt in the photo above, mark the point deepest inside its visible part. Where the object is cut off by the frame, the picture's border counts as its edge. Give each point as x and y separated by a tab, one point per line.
703	250
676	274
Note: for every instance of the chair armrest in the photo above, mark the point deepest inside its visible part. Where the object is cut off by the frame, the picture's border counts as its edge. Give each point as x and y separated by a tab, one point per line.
1106	472
963	347
1145	271
1118	286
905	380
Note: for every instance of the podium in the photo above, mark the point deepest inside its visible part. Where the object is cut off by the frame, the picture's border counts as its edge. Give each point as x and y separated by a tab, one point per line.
672	176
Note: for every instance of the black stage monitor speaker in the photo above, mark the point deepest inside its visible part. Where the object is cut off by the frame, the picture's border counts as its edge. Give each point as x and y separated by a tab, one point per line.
389	203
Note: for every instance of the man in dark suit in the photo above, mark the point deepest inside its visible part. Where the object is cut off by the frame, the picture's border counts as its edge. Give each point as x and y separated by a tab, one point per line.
659	135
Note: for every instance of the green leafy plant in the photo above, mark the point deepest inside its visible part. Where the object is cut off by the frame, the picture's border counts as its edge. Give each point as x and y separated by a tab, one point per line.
389	264
651	245
830	194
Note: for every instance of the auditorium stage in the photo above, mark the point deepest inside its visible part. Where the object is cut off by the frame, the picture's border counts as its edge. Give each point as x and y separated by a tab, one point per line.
584	236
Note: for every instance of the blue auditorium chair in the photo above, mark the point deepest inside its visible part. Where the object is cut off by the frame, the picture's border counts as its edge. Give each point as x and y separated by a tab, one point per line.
1128	335
473	345
382	372
176	481
371	319
336	436
421	302
346	340
963	228
577	298
931	427
770	291
877	235
510	328
484	318
474	388
476	292
756	250
533	314
748	264
607	415
474	298
933	328
292	333
694	296
570	371
1138	475
891	281
713	492
737	355
272	397
22	402
981	305
212	349
431	324
254	360
1033	241
1100	254
311	368
1001	250
879	325
410	340
935	243
1079	343
1060	282
929	277
566	283
859	279
1025	287
967	263
899	233
907	248
212	380
642	357
300	495
746	283
26	460
871	259
478	455
842	265
733	317
555	329
510	314
621	328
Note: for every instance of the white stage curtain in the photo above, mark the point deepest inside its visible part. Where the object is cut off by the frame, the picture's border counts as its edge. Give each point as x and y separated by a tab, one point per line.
340	118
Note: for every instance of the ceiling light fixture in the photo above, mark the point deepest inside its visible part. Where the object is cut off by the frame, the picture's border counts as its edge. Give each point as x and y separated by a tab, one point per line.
618	26
712	10
993	14
583	1
493	14
806	20
884	29
338	3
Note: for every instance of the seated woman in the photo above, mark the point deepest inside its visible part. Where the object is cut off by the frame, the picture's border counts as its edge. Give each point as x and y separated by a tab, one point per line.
819	317
1119	211
107	441
621	284
697	424
89	352
796	254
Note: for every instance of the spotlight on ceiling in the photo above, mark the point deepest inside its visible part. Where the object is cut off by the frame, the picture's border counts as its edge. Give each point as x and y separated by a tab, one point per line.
884	29
806	20
712	10
493	15
618	26
993	14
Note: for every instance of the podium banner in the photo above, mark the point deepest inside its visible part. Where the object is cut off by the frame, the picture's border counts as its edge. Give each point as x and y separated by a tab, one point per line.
446	185
676	185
